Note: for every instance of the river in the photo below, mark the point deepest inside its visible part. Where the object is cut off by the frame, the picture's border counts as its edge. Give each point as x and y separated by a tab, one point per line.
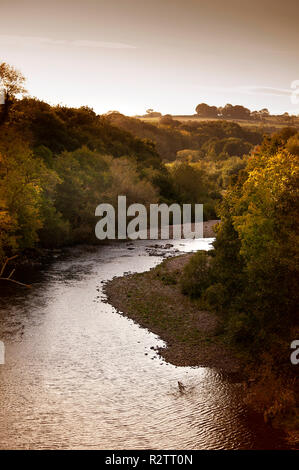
78	375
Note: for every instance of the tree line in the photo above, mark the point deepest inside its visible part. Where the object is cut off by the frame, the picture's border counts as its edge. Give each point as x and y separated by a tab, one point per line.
229	111
251	276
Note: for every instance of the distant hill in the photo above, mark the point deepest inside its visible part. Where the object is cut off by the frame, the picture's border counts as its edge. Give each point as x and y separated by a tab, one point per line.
193	134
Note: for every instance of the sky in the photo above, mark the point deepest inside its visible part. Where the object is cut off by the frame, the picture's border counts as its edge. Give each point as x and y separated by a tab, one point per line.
168	55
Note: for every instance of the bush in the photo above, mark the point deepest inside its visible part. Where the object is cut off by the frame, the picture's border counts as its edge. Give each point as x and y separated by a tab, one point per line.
215	296
196	275
56	231
209	210
241	330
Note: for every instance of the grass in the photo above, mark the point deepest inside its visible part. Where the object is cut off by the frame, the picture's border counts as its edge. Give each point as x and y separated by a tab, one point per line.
269	124
154	300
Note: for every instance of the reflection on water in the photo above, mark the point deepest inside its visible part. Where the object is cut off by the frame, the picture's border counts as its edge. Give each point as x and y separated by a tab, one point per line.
79	375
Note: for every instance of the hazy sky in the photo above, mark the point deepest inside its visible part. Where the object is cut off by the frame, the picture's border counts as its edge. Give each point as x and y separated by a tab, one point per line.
170	55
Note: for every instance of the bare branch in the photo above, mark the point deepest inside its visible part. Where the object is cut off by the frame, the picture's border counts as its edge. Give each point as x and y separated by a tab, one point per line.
9	278
11	274
15	282
5	264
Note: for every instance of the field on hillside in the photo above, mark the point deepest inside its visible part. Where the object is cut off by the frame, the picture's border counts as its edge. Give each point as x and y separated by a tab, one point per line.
268	125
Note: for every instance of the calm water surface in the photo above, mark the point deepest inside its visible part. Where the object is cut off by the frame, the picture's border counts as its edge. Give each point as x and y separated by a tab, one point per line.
79	375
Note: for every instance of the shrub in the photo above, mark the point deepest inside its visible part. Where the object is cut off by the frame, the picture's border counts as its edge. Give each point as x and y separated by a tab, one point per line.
209	210
241	330
215	296
196	275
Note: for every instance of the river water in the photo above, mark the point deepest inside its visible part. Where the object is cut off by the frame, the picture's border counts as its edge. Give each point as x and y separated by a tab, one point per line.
78	375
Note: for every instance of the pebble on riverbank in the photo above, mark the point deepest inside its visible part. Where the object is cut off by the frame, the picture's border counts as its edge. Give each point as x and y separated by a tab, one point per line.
191	334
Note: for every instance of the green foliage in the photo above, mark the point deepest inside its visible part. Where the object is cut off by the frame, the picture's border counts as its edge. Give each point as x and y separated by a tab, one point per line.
254	267
57	164
242	330
215	296
207	137
219	146
55	231
193	185
67	129
197	275
23	181
292	145
229	169
65	161
83	176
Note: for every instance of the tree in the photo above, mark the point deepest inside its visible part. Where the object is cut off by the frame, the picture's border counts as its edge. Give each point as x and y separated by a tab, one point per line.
191	181
151	113
12	84
204	110
256	249
24	181
235	112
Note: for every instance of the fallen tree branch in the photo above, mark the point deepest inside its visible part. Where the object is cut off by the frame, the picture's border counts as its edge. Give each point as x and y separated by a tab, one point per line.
9	277
15	282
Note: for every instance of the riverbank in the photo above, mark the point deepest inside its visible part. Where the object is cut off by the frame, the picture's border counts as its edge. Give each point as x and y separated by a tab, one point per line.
154	300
